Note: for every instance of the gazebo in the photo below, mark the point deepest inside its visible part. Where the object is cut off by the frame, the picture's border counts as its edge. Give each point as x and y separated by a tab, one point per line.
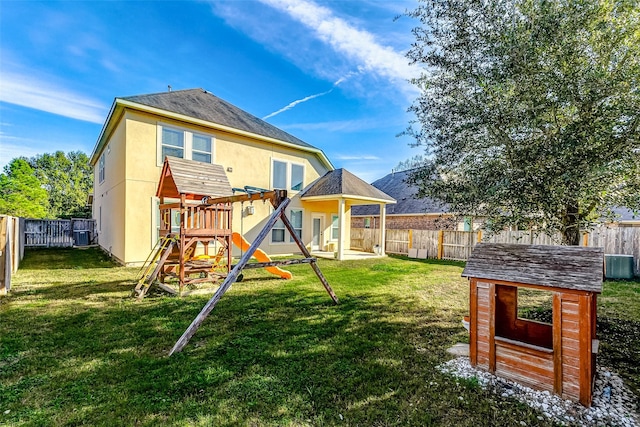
343	189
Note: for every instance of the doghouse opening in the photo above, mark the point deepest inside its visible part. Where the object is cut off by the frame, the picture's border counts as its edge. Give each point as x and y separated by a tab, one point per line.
509	324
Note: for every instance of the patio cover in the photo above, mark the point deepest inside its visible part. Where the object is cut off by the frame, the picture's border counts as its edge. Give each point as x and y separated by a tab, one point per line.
346	188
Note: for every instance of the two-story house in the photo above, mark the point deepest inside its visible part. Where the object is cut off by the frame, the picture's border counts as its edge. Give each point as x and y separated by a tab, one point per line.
140	131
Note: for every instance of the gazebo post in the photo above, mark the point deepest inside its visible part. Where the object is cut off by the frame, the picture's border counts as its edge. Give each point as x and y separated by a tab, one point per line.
341	207
383	221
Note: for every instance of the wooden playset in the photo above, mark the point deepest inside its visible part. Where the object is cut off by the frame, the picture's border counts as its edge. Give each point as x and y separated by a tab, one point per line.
203	215
559	357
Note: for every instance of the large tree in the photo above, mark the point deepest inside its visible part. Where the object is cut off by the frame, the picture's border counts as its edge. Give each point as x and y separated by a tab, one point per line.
21	193
529	109
68	180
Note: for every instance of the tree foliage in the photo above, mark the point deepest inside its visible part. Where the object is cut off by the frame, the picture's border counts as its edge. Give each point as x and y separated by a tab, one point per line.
529	110
21	193
68	180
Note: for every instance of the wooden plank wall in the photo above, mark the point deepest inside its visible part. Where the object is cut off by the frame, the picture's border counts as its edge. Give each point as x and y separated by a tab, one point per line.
457	245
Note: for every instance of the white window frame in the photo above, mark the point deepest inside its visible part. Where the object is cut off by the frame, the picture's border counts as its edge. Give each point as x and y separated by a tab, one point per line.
301	228
288	173
337	228
276	226
101	169
187	138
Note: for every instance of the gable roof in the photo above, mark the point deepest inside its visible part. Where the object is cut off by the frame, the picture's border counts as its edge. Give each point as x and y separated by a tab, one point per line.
568	267
341	182
193	178
202	107
395	185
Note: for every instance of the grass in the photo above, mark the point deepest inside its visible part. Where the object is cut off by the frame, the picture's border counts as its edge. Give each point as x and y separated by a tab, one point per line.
76	349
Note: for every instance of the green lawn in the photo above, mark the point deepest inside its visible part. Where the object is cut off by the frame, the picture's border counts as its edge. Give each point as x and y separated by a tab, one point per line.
76	349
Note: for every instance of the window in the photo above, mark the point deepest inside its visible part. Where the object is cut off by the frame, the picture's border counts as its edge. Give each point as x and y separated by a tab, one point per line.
277	232
297	177
335	229
172	143
524	315
101	168
184	144
279	175
296	220
287	175
201	148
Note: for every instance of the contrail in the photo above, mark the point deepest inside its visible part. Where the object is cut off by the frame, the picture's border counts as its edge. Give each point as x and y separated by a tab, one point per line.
307	98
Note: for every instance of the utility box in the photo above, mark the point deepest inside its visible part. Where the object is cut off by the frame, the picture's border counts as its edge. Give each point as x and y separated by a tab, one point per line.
618	266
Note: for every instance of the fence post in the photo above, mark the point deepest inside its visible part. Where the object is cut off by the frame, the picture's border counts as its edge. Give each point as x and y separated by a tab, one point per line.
585	239
440	244
410	245
479	238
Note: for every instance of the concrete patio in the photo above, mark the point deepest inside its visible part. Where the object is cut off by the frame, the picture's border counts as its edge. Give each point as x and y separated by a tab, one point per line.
349	255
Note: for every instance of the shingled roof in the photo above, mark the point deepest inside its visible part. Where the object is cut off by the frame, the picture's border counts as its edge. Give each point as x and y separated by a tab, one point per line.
193	178
343	183
408	203
568	267
203	105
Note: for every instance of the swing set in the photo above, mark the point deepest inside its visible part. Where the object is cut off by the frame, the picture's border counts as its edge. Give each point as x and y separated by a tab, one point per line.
207	219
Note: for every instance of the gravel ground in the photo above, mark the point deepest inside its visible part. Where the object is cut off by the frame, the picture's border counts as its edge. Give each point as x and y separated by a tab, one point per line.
612	405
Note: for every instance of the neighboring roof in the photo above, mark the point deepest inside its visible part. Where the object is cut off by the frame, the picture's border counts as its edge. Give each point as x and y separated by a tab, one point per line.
341	182
624	215
198	105
568	267
195	179
395	185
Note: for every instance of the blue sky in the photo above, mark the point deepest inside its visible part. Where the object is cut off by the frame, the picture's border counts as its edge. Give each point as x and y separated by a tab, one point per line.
332	73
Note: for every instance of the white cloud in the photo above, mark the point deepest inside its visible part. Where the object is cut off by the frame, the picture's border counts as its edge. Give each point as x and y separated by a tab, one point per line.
39	94
310	97
354	43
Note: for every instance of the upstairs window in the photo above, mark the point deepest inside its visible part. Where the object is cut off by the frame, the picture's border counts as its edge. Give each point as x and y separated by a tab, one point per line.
201	148
184	144
297	177
172	143
287	175
279	175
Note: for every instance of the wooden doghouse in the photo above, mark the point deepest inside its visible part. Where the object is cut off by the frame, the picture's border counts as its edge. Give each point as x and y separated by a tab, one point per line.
558	357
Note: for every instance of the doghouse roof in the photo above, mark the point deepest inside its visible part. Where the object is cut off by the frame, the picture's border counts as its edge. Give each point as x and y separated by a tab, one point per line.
567	267
192	178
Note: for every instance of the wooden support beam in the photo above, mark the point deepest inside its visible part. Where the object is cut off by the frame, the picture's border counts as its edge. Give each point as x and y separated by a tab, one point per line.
268	195
231	277
279	263
306	253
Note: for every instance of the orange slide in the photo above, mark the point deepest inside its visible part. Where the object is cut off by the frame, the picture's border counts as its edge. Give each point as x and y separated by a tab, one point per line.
259	255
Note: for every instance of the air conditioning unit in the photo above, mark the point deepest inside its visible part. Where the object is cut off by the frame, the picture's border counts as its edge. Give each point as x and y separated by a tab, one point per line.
618	266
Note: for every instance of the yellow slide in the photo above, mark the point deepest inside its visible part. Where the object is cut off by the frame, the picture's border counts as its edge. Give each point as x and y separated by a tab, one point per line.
259	255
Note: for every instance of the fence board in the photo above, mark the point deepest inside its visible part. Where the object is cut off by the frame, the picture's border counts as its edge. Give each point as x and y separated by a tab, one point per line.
457	245
58	233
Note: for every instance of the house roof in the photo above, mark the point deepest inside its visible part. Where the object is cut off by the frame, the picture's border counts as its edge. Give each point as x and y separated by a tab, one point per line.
395	185
202	107
341	182
568	267
625	215
206	106
193	178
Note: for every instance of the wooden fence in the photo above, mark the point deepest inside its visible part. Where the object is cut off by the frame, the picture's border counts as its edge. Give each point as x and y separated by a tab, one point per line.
11	249
59	233
457	245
